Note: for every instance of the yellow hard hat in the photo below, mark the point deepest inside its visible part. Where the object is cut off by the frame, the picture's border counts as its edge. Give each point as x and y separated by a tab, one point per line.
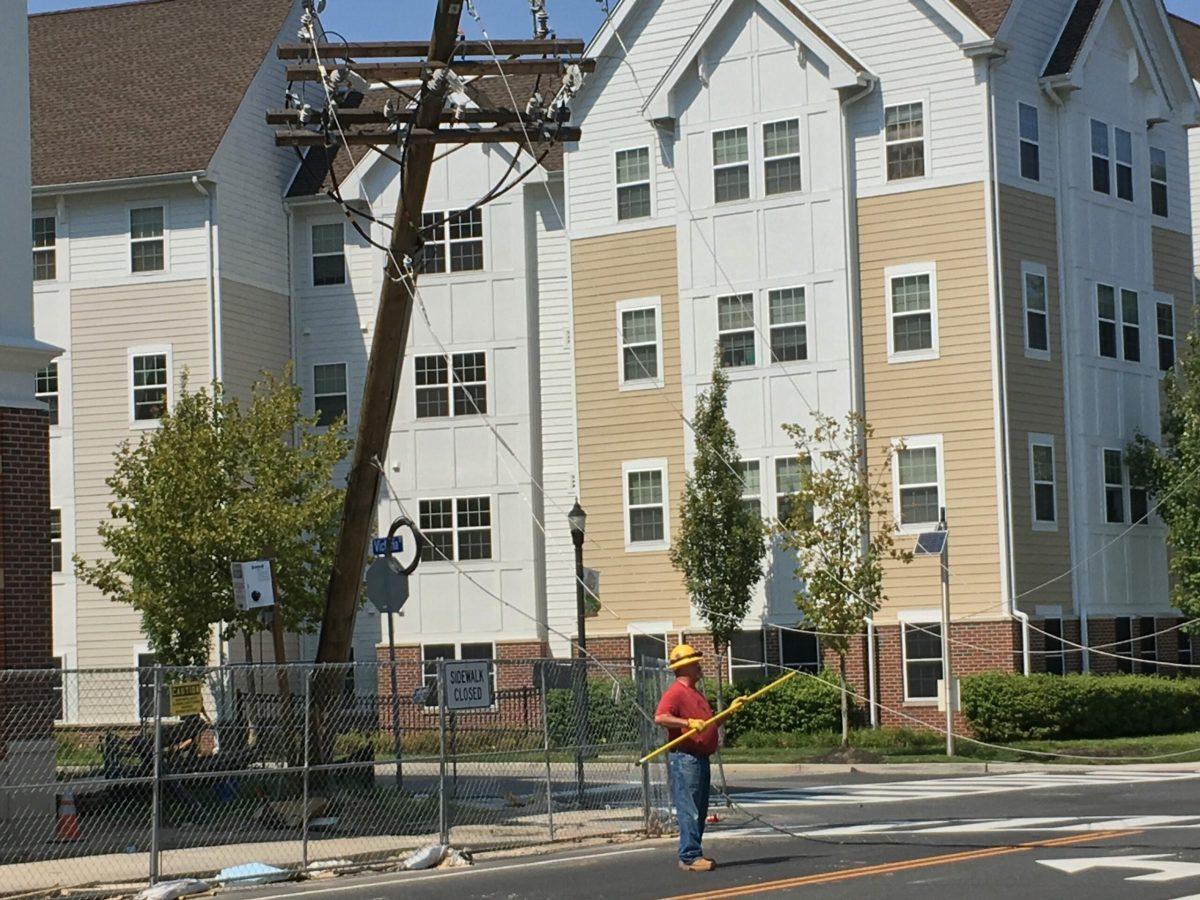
683	655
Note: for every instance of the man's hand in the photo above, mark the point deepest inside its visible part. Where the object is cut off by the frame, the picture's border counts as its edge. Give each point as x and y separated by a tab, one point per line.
737	703
695	724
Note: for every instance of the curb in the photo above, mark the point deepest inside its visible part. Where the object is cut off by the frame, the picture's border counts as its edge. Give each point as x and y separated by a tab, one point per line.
978	768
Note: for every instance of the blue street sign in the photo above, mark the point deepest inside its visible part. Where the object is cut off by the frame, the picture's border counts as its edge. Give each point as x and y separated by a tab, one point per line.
379	546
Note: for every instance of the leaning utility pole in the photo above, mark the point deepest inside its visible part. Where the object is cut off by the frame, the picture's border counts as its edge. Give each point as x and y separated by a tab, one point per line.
419	129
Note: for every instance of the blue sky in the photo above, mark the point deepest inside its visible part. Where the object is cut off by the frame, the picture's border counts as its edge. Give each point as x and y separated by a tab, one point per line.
381	19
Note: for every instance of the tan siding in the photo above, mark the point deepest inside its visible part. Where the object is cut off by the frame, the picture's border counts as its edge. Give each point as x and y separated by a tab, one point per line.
255	334
618	426
105	323
1174	274
950	396
1028	233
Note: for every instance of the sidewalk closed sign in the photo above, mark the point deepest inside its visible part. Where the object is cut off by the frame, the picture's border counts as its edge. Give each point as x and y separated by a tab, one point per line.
187	698
468	684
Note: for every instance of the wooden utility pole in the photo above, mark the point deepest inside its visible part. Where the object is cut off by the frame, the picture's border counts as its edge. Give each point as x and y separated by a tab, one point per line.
422	132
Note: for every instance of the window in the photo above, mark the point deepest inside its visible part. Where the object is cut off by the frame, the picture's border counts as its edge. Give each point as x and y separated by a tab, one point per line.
329	393
791	475
1124	647
922	660
58	700
747	656
633	184
1114	487
348	680
1131	334
431	653
1037	313
1106	312
781	157
1045	506
1123	144
1158	182
918	478
1164	315
481	650
912	323
56	558
788	318
328	254
799	650
1147	646
735	330
1184	656
1029	136
646	507
751	485
456	528
47	389
44	262
649	650
146	247
1101	174
640	348
454	237
438	397
149	386
904	140
1139	504
1055	664
731	165
146	663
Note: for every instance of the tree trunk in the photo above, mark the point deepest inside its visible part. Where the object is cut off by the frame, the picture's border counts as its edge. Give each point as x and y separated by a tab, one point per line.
845	702
721	708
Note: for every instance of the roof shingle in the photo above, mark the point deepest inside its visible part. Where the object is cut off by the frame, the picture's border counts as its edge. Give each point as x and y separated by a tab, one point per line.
1187	33
142	88
987	14
1071	41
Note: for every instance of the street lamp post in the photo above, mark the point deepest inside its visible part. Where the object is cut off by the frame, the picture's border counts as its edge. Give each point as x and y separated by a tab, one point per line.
578	519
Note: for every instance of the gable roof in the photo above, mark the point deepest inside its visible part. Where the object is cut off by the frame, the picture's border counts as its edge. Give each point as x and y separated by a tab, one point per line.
1074	35
1187	34
142	88
987	14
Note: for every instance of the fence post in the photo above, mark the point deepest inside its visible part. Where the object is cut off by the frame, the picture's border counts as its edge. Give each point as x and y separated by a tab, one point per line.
546	747
304	774
156	787
443	800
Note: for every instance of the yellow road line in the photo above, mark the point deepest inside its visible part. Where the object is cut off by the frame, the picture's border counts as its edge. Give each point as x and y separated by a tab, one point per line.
900	866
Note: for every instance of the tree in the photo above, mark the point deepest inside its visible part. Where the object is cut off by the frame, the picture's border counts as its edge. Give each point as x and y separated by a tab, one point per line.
219	482
1169	474
839	523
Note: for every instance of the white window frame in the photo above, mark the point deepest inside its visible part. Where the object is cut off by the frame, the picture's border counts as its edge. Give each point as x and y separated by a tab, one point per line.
52	249
458	645
150	350
923	618
917	442
923	102
753	329
1159	301
1143	653
783	664
802	323
130	241
748	163
776	493
312	255
56	394
799	154
346	373
1136	325
1042	440
632	305
1164	181
56	573
617	184
1036	143
447	243
731	667
1108	485
453	383
1115	321
1107	157
652	630
455	558
646	465
889	275
1118	164
1037	270
746	495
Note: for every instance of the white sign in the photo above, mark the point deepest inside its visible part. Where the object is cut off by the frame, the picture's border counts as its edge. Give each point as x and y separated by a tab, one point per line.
468	684
1159	865
252	585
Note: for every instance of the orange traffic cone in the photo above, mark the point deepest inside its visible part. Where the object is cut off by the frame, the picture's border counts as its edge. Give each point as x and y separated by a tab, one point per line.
67	827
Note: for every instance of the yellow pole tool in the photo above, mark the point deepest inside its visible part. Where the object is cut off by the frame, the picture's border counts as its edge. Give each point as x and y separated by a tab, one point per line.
719	717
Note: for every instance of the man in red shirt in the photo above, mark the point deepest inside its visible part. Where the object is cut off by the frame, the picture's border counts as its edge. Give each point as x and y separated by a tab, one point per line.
683	708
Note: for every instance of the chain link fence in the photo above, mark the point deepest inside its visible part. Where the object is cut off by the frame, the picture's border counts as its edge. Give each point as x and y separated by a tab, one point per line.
110	779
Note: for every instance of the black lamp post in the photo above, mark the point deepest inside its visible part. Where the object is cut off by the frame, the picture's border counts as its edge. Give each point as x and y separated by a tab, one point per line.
578	519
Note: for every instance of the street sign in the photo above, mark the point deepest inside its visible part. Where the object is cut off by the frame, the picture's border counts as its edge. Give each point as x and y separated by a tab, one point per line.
379	545
387	585
187	698
252	585
468	684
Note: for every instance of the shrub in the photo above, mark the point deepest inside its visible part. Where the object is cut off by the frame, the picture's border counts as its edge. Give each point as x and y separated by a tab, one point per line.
612	714
804	705
1005	707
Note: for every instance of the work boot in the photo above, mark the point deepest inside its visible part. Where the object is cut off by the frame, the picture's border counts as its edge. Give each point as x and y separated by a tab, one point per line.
698	865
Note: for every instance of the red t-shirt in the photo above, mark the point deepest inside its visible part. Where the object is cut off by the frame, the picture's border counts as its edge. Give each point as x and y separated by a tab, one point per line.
685	702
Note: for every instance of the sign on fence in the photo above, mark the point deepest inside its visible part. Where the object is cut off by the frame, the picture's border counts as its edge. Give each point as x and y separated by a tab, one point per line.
187	698
468	684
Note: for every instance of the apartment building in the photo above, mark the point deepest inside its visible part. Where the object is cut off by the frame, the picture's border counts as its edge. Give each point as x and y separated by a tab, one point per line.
969	220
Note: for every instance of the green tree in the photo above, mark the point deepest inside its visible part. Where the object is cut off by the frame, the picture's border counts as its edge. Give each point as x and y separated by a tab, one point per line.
218	482
840	526
1169	473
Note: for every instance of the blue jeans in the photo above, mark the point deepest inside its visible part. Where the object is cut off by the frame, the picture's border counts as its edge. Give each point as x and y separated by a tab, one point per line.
689	778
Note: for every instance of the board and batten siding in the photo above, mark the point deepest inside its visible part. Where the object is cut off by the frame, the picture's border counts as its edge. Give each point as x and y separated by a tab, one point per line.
951	396
1029	234
255	335
618	426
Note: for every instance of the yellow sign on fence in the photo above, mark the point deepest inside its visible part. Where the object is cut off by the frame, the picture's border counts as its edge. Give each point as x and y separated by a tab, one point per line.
187	698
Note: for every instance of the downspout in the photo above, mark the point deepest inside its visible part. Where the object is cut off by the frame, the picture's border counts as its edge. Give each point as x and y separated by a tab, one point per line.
213	278
1061	210
854	311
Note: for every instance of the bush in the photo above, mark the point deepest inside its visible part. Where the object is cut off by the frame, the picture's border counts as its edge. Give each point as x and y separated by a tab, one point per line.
1004	707
804	705
612	714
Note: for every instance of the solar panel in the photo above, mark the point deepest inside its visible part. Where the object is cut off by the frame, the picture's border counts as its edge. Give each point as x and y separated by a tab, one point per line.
931	543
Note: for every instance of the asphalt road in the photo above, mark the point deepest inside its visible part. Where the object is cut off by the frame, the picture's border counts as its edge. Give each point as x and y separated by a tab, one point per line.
1108	834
